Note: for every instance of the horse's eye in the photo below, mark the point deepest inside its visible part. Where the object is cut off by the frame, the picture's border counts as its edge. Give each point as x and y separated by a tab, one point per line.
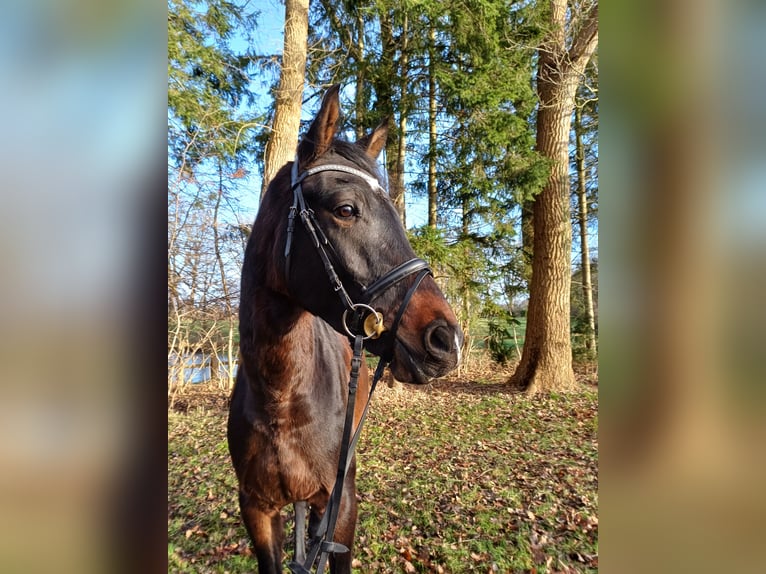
345	211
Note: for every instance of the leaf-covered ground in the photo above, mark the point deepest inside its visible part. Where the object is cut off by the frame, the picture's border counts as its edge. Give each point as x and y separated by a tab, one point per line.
456	477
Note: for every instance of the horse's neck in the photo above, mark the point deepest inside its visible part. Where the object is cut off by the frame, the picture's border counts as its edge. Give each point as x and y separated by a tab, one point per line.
282	341
294	364
289	353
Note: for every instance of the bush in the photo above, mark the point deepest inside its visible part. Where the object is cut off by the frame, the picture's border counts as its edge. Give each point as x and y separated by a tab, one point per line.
500	339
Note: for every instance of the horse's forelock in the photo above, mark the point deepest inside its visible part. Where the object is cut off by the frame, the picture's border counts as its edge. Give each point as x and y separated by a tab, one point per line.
356	155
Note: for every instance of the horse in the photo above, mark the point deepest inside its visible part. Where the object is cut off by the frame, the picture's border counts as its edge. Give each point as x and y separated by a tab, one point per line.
286	416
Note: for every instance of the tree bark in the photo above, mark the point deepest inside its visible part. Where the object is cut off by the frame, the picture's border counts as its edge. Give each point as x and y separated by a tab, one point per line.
398	181
582	216
546	361
224	287
397	176
359	102
385	81
432	199
287	114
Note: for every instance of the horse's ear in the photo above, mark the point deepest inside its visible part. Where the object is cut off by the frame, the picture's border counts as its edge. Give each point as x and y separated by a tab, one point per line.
319	137
375	141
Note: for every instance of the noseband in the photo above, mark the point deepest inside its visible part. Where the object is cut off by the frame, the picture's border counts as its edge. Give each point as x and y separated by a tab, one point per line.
358	317
361	322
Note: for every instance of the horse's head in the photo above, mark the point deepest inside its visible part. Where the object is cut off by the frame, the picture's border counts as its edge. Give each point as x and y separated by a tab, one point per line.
359	231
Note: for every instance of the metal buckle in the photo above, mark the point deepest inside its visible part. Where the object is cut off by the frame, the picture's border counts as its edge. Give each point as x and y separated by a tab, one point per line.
373	323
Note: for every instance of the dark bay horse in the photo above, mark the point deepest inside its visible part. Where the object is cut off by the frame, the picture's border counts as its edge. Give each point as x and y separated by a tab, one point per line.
288	406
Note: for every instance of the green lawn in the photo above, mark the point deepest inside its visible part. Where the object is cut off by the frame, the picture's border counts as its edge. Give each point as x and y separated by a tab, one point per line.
457	477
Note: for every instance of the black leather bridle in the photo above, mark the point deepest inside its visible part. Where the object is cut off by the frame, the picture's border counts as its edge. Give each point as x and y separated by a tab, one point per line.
361	322
361	313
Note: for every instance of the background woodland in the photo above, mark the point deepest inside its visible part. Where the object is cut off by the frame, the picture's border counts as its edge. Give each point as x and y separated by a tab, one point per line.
492	159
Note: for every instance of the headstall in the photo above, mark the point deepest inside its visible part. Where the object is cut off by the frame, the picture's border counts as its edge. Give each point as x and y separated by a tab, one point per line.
361	321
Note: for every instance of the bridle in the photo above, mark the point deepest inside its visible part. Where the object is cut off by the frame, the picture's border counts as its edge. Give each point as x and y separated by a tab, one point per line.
361	321
363	317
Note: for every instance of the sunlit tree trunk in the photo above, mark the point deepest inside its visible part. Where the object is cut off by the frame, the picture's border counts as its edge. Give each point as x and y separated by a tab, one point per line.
386	81
397	177
287	113
225	289
582	218
359	102
546	361
432	129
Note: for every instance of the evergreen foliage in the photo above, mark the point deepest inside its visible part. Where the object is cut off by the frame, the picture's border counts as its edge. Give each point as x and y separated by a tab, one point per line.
208	81
481	54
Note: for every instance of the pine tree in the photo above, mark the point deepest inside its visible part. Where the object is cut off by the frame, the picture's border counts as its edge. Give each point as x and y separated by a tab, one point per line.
208	82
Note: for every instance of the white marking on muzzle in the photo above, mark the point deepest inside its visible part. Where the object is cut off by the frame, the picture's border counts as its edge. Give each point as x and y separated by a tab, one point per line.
457	346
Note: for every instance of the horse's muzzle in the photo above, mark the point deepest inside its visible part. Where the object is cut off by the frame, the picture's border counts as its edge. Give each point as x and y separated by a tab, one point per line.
440	354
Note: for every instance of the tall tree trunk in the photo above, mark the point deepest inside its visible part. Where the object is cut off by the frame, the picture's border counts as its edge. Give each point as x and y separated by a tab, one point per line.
287	114
359	102
546	361
224	288
582	217
465	290
432	128
401	153
397	177
385	83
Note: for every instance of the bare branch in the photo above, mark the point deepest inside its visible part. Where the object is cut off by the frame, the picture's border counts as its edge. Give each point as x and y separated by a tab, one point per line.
585	42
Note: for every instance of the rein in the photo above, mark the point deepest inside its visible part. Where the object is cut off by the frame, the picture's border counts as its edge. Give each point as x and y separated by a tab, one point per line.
365	323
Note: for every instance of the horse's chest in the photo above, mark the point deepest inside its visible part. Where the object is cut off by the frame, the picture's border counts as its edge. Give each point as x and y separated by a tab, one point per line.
288	462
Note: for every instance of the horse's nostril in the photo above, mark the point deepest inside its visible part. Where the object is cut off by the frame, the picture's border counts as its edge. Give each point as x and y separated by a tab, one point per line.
439	341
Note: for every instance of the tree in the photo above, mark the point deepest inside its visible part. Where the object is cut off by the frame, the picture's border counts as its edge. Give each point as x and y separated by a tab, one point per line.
432	141
209	141
583	310
381	69
486	160
585	128
389	100
289	95
208	82
571	39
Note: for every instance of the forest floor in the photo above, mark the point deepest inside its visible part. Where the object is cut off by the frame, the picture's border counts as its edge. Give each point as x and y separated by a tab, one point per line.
459	476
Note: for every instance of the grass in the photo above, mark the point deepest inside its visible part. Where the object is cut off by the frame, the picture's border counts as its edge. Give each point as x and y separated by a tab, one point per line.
459	477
